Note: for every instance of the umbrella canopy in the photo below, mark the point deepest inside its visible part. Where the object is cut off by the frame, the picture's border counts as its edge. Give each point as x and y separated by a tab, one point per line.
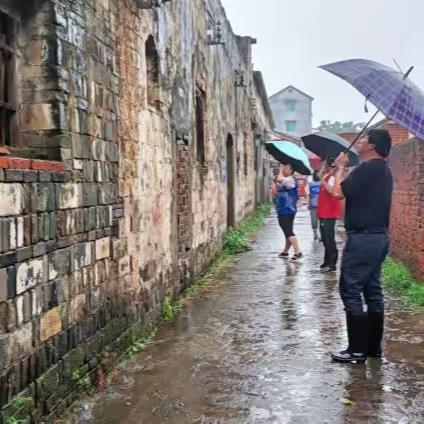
287	152
327	145
389	90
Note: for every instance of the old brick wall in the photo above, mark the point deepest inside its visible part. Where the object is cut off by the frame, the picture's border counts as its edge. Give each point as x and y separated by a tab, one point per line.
126	213
407	225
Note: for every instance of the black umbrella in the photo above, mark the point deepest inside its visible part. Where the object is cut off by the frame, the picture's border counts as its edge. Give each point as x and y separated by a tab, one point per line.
327	146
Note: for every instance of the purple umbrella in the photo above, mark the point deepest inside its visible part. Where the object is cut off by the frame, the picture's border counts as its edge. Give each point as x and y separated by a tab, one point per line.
389	90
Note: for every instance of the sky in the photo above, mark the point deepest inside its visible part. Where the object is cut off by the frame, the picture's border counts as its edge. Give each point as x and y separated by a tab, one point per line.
296	36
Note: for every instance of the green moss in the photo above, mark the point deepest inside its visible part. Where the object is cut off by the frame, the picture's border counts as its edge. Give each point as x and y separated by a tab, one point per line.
399	278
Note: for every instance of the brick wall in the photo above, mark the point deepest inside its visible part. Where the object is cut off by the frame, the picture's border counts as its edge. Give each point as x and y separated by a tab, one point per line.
122	213
407	225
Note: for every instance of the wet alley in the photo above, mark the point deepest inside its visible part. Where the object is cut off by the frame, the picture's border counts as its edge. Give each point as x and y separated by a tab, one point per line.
253	349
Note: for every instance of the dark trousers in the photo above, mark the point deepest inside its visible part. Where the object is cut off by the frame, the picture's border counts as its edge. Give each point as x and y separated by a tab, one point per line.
363	257
328	235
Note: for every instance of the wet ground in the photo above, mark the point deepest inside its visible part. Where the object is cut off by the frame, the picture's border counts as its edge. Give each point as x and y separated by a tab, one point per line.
254	349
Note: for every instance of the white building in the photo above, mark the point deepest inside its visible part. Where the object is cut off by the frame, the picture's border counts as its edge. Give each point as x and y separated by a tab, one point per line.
292	111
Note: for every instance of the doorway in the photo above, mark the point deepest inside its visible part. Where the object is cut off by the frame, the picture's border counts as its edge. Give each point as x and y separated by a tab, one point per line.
230	182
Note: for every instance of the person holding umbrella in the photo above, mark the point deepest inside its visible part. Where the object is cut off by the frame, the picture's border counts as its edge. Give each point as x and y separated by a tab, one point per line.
286	206
328	212
293	159
368	193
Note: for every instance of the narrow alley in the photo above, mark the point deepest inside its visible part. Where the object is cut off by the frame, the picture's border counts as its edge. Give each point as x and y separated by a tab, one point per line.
253	349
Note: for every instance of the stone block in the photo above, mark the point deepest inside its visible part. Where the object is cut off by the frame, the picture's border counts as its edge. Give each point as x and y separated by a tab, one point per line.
69	196
29	274
38	117
89	194
102	248
19	305
77	308
7	259
39	249
119	248
23	254
124	266
12	201
27	313
14	175
59	263
98	148
11	281
50	324
31	176
12	235
80	146
108	193
19	232
45	176
81	256
15	346
43	197
35	234
4	284
36	298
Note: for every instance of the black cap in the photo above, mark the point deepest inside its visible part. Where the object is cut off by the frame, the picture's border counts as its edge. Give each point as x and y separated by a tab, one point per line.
382	141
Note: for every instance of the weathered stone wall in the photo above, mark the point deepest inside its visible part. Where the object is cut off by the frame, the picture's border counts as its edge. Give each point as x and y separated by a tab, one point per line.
407	224
127	214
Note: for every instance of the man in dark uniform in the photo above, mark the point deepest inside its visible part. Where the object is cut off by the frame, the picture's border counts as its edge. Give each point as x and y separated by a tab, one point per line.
368	193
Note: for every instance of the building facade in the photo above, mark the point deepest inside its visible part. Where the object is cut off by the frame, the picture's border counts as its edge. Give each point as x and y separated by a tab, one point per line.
292	111
131	139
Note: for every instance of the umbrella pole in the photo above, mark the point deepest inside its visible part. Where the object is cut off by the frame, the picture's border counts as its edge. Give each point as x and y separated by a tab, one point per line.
363	131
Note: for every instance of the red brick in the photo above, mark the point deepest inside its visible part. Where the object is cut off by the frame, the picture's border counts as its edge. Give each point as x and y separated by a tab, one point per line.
4	162
18	163
46	165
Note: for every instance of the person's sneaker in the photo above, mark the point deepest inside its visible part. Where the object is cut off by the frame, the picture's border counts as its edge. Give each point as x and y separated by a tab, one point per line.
283	255
296	257
323	266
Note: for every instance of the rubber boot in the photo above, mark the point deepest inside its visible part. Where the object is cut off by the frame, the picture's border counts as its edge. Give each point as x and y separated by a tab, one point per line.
357	337
375	334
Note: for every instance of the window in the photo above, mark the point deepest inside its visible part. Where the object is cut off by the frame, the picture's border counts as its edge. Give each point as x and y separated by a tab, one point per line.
200	125
291	105
291	126
8	108
152	68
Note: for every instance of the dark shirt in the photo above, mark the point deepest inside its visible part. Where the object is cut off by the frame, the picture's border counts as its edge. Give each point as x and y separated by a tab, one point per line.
368	192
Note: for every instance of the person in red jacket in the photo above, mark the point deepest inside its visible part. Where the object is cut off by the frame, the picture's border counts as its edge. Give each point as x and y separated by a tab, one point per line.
328	211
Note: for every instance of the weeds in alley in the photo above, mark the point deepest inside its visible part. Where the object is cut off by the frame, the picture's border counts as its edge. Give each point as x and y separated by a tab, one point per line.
400	279
237	239
19	410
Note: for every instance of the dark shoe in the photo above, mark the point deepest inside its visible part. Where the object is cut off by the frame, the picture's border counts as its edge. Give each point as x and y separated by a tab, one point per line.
283	255
348	357
323	266
375	334
329	269
358	338
297	257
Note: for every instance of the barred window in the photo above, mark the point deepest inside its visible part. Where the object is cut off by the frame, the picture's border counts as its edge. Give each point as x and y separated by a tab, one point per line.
152	68
200	125
8	107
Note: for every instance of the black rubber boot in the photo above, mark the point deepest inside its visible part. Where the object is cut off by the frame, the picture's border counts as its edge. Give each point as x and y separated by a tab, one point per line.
375	334
357	337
